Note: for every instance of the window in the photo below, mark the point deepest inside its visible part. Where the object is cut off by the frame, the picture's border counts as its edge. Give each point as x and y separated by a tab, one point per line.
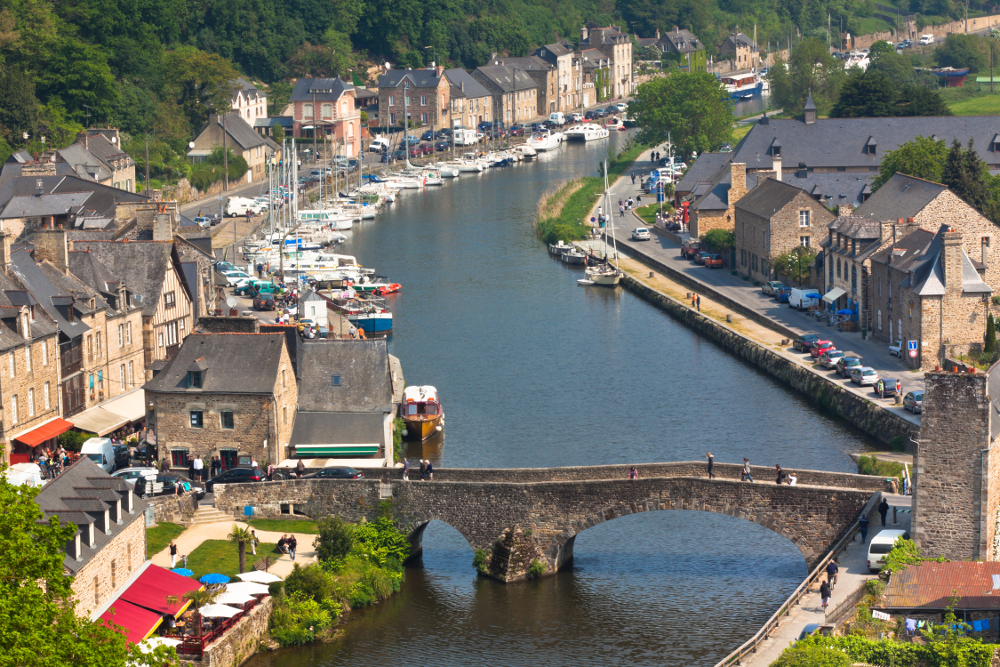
804	241
423	100
181	326
114	582
197	419
121	336
97	591
194	379
131	380
282	378
90	347
284	414
880	320
854	277
179	458
227	420
899	328
327	110
45	353
335	381
13	409
90	382
27	357
392	118
307	111
121	377
169	300
45	396
803	218
423	119
392	100
159	339
31	402
10	360
128	332
97	345
129	549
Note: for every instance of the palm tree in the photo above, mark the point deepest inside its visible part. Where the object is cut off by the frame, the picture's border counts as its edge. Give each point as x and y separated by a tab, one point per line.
242	537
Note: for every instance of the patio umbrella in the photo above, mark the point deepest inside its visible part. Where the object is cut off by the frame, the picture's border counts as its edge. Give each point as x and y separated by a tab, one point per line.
845	311
214	579
183	571
247	587
258	577
234	598
218	611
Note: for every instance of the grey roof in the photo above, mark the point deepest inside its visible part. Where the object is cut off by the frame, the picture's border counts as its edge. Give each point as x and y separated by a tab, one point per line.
508	79
418	78
101	146
900	197
42	205
90	271
739	39
592	55
528	63
835	188
84	163
927	277
703	170
769	197
810	105
237	363
856	227
905	251
190	272
840	142
365	382
241	132
322	90
716	194
80	495
465	81
142	265
50	291
683	41
556	49
338	428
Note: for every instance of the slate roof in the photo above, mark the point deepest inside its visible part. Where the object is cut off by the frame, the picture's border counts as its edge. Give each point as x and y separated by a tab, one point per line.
332	89
592	55
49	290
80	495
900	197
556	50
90	271
716	193
856	227
142	265
363	368
836	188
739	39
237	363
703	171
338	428
101	146
418	78
769	197
242	133
528	63
927	277
84	163
469	87
840	142
507	78
683	41
905	251
46	204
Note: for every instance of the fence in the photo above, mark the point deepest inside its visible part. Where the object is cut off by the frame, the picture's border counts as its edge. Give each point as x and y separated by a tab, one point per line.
844	610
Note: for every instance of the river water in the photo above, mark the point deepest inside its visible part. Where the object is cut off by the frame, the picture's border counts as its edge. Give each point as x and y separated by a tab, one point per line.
534	370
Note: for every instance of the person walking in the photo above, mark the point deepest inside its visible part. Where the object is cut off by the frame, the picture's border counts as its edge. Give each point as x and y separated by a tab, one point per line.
824	594
406	470
899	387
173	555
880	388
633	473
300	468
191	470
423	470
863	528
831	572
633	178
253	542
746	470
883	509
711	462
698	301
652	158
184	560
292	544
780	472
430	470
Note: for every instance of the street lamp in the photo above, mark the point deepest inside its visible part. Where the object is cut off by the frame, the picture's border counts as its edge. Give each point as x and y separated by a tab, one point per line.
435	109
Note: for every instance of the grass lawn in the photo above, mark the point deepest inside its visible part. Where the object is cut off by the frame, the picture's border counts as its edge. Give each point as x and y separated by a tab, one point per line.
741	131
223	557
970	100
648	213
159	536
285	526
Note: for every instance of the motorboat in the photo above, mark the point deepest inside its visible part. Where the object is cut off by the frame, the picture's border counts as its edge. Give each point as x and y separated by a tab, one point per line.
559	248
364	311
421	412
545	140
573	256
469	165
741	86
587	132
857	59
333	218
615	124
447	169
525	151
391	288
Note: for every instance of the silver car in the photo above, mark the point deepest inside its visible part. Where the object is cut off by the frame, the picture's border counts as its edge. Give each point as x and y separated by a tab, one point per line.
864	375
913	401
132	474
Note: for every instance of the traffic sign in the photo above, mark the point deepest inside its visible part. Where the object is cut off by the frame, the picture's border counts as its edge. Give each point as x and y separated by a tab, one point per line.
913	353
911	345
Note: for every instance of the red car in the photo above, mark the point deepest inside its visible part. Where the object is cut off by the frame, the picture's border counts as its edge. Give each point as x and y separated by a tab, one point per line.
714	261
819	347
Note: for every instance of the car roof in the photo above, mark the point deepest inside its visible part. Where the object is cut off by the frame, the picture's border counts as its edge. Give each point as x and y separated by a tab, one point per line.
888	536
866	368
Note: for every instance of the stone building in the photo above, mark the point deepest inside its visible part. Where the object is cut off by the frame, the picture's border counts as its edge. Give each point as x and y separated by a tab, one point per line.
682	42
595	73
331	105
618	47
515	93
110	542
225	394
544	73
715	209
423	94
471	103
956	476
238	136
926	288
741	50
248	101
772	219
568	79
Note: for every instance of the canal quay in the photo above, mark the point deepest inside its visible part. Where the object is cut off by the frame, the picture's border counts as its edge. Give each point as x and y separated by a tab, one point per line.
535	371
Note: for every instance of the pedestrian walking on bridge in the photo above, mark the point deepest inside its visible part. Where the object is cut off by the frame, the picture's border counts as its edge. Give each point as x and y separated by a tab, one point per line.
863	528
883	509
831	572
711	461
781	473
746	470
824	594
633	473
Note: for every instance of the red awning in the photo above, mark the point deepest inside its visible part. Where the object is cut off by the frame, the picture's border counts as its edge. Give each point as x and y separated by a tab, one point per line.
44	432
138	623
152	588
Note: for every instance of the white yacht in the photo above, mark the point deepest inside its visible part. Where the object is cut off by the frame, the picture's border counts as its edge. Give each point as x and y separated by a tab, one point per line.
587	132
332	217
525	151
545	140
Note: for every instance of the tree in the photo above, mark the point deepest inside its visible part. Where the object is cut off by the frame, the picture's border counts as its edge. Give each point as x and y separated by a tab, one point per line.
965	174
335	538
810	655
720	239
811	69
277	133
200	82
38	625
866	95
922	157
242	537
692	107
18	105
963	51
990	341
918	100
795	263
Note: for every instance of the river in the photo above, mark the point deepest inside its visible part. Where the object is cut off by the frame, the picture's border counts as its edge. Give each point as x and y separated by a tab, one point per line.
534	370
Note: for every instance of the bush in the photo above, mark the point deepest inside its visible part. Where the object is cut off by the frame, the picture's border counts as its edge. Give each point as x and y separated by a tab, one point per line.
537	569
870	465
897	444
296	619
310	581
72	441
479	561
810	655
719	239
335	538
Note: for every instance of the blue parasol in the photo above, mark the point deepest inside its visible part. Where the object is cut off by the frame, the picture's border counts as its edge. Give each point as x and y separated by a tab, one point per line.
845	311
214	579
183	571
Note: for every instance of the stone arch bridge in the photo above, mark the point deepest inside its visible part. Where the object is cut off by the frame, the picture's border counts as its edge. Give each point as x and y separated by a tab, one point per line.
524	514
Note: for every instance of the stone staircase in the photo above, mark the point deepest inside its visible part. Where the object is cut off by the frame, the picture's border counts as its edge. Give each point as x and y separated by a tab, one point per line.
208	514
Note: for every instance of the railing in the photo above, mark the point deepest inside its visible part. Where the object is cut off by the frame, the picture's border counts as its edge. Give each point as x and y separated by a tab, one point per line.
845	607
750	646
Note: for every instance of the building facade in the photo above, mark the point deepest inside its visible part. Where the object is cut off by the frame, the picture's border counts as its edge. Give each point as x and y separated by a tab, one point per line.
240	138
617	46
514	92
329	105
568	83
421	95
248	101
471	103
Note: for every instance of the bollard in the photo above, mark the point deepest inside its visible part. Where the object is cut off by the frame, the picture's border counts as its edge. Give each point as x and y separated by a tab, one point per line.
894	515
650	274
729	317
689	295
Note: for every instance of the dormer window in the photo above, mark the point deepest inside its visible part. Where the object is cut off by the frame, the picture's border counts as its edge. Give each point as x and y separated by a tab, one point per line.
194	379
870	146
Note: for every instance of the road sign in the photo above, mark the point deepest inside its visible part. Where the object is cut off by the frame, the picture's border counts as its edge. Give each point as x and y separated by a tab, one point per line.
913	353
911	345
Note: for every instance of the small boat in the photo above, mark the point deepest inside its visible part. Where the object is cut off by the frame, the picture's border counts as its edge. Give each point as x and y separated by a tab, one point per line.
740	86
615	123
573	256
587	132
545	140
559	248
391	288
602	272
468	165
584	281
954	78
447	169
422	413
526	151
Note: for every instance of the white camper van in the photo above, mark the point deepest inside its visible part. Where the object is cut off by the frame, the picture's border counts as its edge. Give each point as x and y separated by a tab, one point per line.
239	206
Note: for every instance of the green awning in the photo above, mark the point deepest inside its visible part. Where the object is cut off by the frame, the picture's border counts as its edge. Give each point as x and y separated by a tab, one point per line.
336	450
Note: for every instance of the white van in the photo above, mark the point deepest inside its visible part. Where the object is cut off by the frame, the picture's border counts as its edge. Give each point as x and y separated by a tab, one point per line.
100	451
882	544
557	118
378	145
239	206
466	137
803	297
926	39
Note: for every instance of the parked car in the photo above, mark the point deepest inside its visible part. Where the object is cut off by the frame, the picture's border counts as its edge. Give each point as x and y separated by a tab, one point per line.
132	474
336	473
781	296
701	257
769	288
913	401
926	39
264	301
896	349
399	154
640	234
233	278
166	483
203	221
575	117
416	151
829	359
817	349
516	130
621	106
882	544
122	456
443	146
726	148
804	342
864	375
890	387
427	136
847	364
590	115
714	261
235	476
690	248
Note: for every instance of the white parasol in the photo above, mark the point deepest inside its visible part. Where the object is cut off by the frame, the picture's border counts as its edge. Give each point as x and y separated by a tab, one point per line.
247	587
218	611
233	598
259	577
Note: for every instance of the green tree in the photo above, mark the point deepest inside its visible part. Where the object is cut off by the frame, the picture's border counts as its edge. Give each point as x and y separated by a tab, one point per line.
242	537
918	100
720	239
990	341
810	655
922	157
693	108
335	538
200	82
18	105
963	51
795	263
341	54
38	625
811	69
866	95
277	133
965	174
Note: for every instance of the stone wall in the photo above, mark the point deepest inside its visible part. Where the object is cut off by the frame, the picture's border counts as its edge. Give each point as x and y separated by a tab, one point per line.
174	509
97	581
240	642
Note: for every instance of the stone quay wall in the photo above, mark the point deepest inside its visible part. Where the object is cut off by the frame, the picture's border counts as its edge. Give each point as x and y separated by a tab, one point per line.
871	418
174	509
240	642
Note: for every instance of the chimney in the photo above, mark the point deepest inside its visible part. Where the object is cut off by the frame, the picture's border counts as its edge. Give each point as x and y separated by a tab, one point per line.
985	245
438	70
5	240
657	33
738	171
583	33
163	228
462	86
845	209
776	164
50	245
951	251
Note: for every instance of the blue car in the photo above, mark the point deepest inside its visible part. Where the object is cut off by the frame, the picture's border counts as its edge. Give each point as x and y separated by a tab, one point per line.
782	295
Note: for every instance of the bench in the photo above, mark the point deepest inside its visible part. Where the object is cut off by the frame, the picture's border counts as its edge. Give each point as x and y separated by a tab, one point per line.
262	564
